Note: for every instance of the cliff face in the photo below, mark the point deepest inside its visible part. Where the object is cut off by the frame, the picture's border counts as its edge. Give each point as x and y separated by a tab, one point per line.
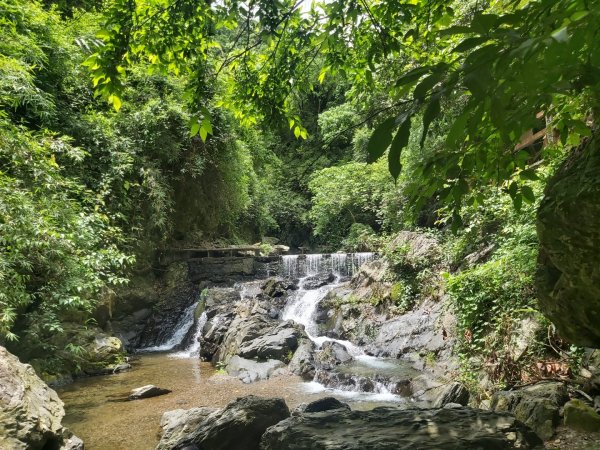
568	226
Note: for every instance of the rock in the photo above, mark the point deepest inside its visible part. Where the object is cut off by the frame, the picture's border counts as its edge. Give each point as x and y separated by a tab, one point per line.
179	425
537	406
415	331
418	250
30	412
242	330
568	284
279	343
249	371
316	281
330	355
452	393
391	428
213	334
581	416
303	363
238	426
323	404
147	391
274	287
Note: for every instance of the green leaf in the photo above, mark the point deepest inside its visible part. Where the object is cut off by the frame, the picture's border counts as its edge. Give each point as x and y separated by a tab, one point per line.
380	139
425	86
529	174
431	112
528	194
412	76
400	141
469	43
457	130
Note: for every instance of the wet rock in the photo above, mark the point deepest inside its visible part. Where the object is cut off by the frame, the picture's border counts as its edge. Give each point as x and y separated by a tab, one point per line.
239	425
390	428
275	287
279	343
147	391
30	412
180	425
303	363
568	284
213	334
331	355
581	416
168	313
317	281
538	406
250	371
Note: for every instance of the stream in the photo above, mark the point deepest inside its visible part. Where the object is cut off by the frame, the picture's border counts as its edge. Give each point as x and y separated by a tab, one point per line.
97	410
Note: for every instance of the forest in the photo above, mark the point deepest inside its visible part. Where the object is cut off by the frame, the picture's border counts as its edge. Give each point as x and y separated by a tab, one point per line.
132	128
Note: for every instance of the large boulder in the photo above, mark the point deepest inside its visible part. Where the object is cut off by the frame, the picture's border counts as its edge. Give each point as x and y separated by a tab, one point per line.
390	428
538	406
239	426
180	424
30	412
279	343
567	225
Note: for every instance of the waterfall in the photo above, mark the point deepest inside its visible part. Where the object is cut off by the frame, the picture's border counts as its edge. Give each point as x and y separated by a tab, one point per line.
179	332
341	265
193	349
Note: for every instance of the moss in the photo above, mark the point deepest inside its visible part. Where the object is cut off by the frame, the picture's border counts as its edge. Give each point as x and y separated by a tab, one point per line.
581	417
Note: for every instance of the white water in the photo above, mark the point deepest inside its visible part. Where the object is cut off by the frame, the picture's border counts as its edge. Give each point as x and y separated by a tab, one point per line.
301	308
340	264
179	332
193	350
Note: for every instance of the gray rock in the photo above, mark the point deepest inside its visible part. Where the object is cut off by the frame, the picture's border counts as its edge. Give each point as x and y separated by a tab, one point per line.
30	412
238	426
147	391
452	393
274	287
538	406
278	343
391	428
250	371
303	363
316	281
180	425
331	355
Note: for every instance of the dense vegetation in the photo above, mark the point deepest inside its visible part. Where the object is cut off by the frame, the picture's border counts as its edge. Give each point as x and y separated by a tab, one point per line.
130	126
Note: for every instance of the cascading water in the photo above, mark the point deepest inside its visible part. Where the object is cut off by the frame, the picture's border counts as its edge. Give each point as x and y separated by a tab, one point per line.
342	265
179	332
193	350
301	308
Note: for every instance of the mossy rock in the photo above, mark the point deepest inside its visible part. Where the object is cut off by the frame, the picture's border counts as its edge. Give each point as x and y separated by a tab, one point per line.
568	227
580	416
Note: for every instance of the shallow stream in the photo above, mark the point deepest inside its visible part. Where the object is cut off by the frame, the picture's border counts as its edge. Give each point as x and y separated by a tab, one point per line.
99	413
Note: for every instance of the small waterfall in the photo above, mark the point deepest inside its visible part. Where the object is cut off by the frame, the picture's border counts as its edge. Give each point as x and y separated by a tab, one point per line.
340	264
179	332
193	350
